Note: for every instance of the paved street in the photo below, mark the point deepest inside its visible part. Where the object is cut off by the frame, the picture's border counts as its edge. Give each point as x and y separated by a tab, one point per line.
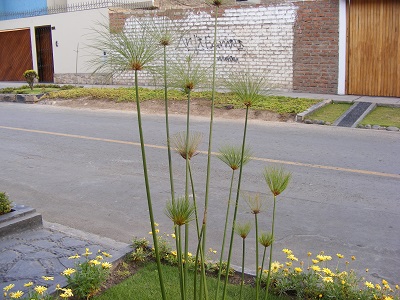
82	168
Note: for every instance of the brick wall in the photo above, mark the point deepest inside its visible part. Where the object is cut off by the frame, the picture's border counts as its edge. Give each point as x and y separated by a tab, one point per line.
256	38
316	46
293	44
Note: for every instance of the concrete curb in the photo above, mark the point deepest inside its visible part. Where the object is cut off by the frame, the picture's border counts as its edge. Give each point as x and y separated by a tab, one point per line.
300	117
20	98
19	219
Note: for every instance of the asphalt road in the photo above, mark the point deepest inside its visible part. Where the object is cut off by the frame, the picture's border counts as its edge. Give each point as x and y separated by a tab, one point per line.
82	168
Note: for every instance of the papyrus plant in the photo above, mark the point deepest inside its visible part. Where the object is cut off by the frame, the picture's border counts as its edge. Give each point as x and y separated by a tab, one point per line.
181	213
249	90
243	229
166	32
131	49
232	157
187	76
255	205
277	180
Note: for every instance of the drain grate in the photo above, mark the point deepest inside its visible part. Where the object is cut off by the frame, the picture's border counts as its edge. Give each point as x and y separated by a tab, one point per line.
354	114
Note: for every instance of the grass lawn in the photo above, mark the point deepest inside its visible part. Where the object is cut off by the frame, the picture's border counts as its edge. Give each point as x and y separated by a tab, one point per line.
383	116
145	285
329	113
37	89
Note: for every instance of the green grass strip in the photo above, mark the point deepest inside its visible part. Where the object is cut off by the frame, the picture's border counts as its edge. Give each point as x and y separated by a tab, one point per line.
383	116
330	112
144	285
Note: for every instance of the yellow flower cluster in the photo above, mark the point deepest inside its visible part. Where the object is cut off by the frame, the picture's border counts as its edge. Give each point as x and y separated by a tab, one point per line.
66	293
94	262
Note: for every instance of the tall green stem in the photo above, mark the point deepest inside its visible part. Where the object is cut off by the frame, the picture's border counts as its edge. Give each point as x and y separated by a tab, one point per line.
242	279
187	190
180	264
270	251
146	180
194	202
224	238
171	177
236	205
257	281
210	132
262	264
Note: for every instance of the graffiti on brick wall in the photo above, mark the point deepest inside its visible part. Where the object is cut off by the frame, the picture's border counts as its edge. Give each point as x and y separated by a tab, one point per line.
229	58
197	44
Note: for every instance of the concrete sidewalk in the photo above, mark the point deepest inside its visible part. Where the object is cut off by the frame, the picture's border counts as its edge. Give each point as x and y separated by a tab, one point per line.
28	255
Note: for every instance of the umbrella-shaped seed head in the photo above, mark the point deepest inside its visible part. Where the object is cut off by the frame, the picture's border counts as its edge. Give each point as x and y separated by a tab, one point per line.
243	229
277	179
231	155
188	74
180	211
248	88
136	66
266	239
178	142
254	203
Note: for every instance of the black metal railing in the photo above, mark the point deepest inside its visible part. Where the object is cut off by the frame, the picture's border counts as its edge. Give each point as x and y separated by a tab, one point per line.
96	4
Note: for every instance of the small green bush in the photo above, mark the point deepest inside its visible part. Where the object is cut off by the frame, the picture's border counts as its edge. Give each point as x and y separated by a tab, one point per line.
30	76
7	90
5	203
88	276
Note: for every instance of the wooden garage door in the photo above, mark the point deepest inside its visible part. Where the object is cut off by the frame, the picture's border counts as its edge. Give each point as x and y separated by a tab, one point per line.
15	54
374	48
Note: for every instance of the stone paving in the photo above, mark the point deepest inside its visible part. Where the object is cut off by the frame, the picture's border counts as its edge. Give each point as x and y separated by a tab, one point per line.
31	254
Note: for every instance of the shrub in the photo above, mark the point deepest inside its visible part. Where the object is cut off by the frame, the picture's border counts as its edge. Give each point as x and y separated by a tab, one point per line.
7	90
5	203
87	277
30	76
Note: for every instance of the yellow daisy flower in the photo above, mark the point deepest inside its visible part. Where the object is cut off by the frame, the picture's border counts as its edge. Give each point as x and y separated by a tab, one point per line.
327	279
106	254
106	265
298	270
40	289
8	287
68	272
287	251
47	278
316	268
16	295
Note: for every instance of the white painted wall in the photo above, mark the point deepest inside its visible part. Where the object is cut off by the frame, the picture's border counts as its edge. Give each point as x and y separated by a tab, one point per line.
259	39
70	30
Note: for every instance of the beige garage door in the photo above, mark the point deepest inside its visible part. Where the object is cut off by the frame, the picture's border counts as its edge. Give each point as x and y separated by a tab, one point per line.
374	48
